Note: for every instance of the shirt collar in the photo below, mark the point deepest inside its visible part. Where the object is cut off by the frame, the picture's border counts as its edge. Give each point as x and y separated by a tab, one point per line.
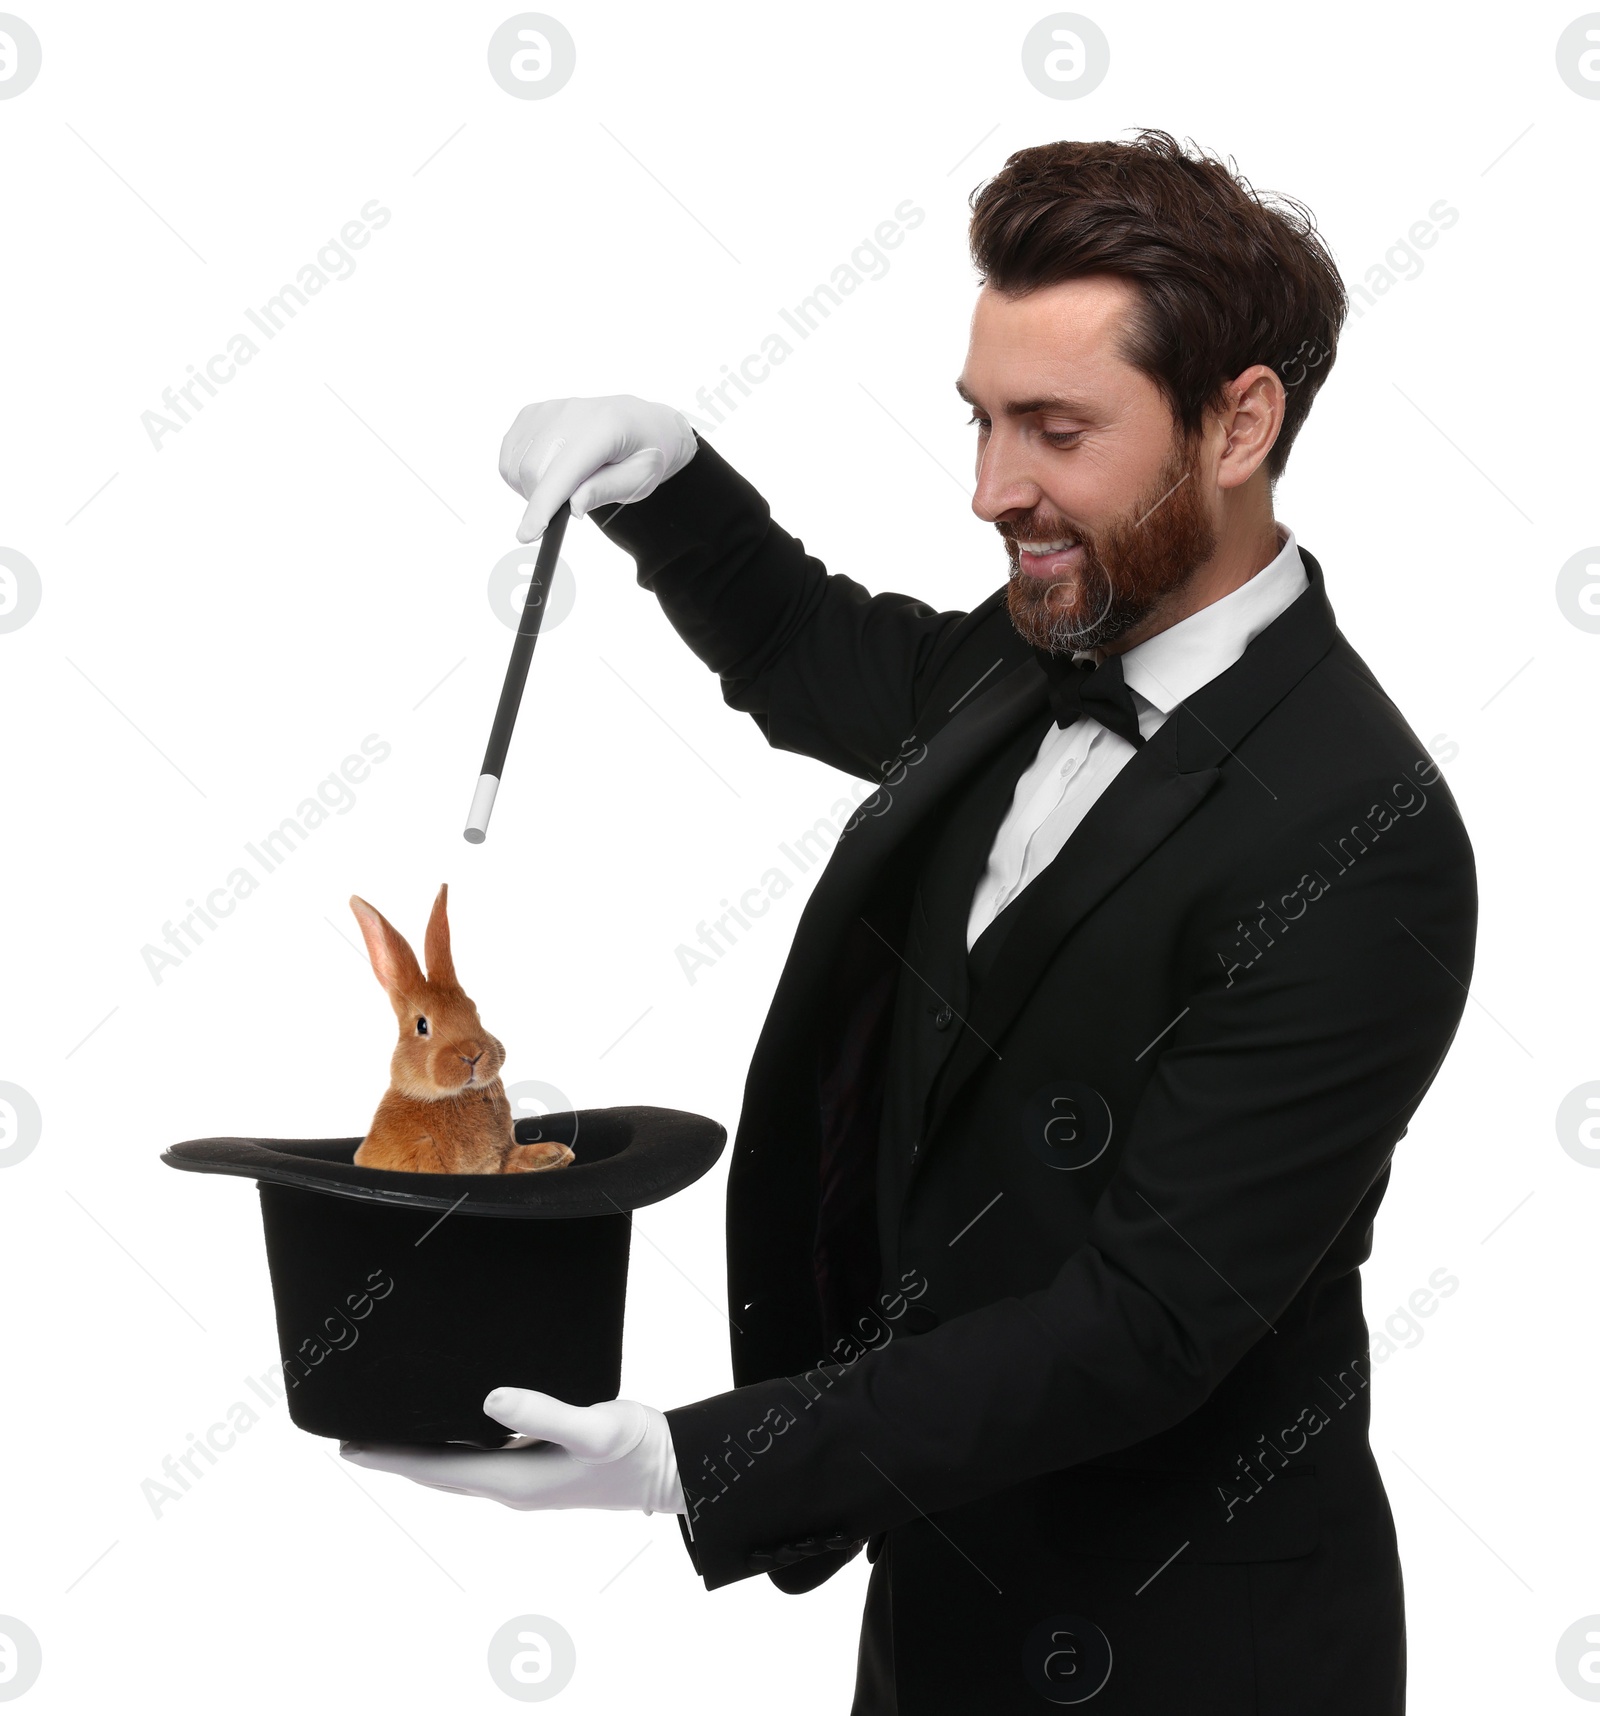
1174	664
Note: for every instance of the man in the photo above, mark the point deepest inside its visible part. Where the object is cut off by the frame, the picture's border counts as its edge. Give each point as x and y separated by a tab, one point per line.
1063	1140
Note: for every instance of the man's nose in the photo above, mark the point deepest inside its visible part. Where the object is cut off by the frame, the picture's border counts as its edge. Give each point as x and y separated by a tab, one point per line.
1004	485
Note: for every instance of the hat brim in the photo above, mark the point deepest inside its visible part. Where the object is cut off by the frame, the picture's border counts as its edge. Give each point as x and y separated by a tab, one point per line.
626	1158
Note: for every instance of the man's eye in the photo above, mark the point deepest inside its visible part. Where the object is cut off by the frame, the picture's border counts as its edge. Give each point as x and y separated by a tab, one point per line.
422	1027
1062	437
982	422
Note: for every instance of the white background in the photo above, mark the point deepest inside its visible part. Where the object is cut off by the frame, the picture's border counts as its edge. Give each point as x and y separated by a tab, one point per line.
226	620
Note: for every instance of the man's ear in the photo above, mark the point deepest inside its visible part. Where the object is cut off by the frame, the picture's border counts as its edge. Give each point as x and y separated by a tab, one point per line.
1252	421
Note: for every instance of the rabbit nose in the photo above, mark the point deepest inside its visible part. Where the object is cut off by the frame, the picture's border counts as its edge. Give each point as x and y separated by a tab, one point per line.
472	1060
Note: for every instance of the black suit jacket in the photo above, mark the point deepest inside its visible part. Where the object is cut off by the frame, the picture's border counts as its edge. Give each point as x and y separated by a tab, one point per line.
1042	1262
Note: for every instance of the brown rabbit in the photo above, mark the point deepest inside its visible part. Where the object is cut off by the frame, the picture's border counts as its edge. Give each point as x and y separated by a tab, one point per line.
445	1111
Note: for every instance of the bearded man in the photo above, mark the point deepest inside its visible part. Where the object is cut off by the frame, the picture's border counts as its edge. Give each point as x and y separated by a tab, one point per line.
1062	1143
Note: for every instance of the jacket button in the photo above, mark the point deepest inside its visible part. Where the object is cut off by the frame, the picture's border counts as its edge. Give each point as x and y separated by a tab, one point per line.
919	1319
941	1019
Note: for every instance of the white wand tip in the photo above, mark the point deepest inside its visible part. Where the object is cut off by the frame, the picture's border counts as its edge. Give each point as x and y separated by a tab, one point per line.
477	827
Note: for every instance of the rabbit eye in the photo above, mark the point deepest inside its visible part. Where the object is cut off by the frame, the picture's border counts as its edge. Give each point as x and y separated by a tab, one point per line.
422	1027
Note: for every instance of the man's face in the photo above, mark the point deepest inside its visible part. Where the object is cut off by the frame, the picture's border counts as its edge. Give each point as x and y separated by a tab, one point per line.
1102	505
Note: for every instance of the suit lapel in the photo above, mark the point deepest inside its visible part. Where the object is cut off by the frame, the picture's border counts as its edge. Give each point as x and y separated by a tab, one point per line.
1156	793
1149	799
927	772
957	859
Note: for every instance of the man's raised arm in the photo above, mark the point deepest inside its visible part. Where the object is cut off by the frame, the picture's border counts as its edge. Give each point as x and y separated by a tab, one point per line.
825	668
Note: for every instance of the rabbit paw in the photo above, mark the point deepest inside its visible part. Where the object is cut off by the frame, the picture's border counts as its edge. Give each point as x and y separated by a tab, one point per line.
535	1158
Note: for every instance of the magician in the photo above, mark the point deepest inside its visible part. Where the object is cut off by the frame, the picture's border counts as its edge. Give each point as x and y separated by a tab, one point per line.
1064	1137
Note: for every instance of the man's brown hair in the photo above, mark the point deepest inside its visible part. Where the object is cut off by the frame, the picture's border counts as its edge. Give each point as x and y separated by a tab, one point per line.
1227	278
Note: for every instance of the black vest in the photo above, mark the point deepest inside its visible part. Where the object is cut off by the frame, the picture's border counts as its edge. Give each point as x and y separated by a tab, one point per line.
939	977
902	989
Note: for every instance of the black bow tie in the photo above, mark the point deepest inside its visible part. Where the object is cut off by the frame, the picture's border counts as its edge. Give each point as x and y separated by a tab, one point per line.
1082	688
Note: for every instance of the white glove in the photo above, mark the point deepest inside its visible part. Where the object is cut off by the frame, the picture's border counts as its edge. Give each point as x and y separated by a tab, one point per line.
591	452
615	1455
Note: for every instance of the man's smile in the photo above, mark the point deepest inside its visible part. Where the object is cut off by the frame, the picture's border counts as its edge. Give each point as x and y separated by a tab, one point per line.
1050	560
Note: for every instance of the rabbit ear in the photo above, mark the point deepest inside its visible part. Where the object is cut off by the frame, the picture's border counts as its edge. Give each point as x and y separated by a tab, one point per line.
436	944
393	963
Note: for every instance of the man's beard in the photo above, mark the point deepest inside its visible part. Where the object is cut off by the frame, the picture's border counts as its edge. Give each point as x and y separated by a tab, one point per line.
1128	566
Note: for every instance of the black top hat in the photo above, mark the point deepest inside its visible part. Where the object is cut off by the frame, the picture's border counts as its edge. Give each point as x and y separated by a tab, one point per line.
399	1306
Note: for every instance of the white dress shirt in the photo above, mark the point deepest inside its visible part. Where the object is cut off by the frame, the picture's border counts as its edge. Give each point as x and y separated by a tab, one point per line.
1076	764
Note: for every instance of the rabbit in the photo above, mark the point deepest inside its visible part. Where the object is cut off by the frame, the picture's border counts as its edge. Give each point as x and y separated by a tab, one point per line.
445	1111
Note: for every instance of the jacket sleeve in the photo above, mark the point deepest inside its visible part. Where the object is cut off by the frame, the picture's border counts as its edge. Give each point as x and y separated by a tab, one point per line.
1274	1106
824	668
